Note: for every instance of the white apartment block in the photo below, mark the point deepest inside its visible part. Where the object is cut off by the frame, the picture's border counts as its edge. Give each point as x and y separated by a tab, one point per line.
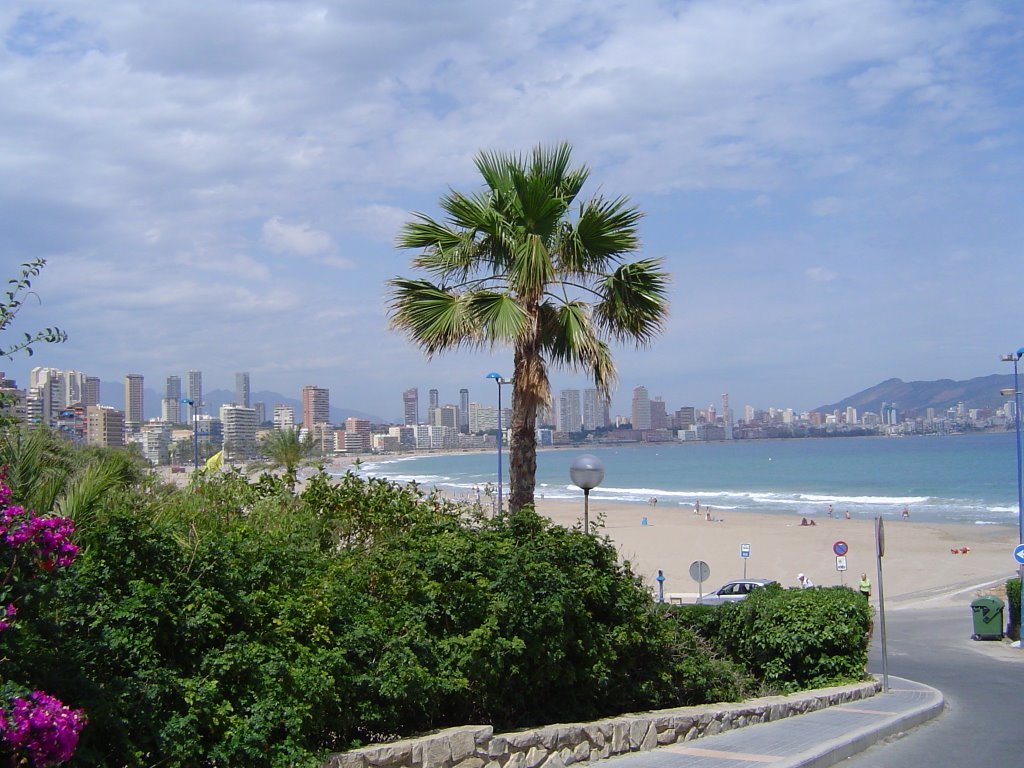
239	425
569	417
284	417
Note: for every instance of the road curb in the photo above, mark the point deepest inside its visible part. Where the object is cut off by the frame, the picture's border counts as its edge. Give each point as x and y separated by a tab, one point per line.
834	751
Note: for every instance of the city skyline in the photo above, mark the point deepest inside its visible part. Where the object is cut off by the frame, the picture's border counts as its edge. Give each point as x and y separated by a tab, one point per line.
833	188
583	405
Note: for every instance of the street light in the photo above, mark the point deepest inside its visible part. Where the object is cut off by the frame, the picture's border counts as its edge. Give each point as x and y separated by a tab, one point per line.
586	472
1013	357
499	381
195	430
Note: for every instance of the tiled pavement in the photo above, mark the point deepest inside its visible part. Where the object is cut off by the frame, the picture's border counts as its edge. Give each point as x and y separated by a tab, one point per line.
815	740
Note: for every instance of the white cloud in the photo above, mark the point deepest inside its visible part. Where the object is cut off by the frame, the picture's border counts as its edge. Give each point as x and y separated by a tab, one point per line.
299	239
820	275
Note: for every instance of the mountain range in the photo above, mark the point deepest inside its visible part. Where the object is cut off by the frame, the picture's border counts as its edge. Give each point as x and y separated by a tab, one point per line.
916	396
112	393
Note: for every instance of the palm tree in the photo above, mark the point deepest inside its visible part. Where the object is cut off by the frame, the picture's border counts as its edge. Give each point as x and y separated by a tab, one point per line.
511	265
285	448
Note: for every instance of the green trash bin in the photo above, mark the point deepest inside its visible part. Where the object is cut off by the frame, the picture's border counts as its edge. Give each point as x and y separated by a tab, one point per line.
988	618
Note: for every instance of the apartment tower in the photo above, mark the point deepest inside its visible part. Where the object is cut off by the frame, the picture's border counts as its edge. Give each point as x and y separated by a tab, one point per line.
316	408
133	411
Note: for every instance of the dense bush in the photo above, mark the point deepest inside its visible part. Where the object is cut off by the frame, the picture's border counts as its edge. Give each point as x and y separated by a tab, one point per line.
1013	605
790	639
236	624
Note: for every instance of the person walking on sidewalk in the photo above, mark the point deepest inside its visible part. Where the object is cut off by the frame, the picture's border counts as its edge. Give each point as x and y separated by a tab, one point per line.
865	586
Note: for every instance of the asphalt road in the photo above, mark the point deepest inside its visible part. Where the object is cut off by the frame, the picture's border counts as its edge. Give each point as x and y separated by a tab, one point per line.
982	681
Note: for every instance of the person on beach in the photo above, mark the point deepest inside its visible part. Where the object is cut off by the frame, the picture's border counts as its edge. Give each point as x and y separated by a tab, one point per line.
906	513
865	586
830	512
696	507
804	581
846	514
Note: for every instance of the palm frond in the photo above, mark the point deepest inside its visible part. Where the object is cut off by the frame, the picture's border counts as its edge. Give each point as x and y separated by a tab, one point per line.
499	315
634	307
433	318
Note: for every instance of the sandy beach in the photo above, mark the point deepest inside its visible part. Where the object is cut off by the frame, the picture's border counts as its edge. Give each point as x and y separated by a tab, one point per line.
917	566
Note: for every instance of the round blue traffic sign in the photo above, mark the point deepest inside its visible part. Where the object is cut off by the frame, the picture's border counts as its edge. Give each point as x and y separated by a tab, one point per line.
1018	553
840	548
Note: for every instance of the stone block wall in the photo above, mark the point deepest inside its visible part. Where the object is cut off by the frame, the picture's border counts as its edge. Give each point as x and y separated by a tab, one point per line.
559	746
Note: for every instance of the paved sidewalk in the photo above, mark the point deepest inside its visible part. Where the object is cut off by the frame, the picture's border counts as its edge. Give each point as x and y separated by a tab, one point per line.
814	740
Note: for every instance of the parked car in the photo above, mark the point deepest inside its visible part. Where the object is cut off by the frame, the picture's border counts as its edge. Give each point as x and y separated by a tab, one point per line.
732	591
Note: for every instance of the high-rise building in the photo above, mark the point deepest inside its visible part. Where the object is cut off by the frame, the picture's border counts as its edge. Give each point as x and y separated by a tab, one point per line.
446	416
106	426
434	402
74	386
595	410
239	425
726	410
685	417
45	396
357	435
261	411
464	411
641	412
316	407
171	404
195	387
569	418
659	416
242	390
284	416
91	391
411	406
133	410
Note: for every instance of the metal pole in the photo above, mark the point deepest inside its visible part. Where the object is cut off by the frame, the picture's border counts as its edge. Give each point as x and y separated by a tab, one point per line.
1020	492
586	510
195	435
879	552
498	382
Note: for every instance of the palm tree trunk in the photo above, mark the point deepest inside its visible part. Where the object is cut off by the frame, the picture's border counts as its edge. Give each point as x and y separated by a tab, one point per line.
529	374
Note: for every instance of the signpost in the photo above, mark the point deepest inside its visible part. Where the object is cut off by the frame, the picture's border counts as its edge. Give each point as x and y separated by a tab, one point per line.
661	586
699	572
880	553
1018	553
840	548
745	554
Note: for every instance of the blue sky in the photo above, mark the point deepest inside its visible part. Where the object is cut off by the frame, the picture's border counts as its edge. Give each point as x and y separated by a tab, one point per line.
834	185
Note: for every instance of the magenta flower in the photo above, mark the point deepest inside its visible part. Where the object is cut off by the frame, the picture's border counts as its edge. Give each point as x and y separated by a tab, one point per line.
43	728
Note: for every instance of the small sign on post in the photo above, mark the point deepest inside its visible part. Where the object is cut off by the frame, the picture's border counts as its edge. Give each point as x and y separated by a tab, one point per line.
745	554
840	563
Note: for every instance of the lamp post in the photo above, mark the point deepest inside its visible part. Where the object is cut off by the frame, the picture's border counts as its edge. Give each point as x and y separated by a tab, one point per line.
587	472
1013	357
195	430
499	381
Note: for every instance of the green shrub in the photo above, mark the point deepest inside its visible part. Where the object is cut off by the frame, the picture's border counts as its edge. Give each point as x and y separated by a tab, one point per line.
1013	607
794	639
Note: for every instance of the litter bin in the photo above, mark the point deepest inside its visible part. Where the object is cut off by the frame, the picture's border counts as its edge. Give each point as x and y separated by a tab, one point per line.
988	618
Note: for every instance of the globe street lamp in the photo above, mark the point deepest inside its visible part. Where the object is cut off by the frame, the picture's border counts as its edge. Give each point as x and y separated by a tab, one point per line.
499	381
1013	357
195	430
586	472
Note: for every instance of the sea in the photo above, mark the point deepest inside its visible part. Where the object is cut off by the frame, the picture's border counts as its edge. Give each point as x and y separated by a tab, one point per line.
969	479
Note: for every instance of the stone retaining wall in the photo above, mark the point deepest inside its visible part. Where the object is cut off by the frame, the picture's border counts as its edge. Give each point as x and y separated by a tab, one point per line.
558	746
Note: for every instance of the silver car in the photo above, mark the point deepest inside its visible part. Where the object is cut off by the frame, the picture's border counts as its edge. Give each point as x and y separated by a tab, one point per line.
733	591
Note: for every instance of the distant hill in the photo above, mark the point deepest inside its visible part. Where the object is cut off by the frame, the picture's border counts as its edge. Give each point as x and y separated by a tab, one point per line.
981	392
112	393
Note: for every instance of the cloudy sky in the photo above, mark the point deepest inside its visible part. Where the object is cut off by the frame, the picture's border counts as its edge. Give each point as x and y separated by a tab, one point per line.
835	185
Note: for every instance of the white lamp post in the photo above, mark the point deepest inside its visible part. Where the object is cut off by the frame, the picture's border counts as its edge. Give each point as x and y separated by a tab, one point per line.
1013	357
586	472
499	381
